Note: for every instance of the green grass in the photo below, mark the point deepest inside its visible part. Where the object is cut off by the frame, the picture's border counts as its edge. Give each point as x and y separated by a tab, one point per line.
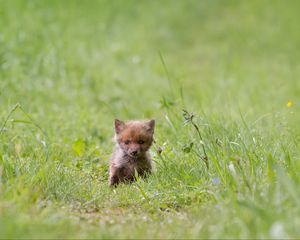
68	68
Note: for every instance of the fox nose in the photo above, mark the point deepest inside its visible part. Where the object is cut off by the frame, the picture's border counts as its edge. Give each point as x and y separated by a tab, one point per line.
134	153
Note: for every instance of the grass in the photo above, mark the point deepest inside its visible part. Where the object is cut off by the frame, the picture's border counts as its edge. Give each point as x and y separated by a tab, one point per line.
68	68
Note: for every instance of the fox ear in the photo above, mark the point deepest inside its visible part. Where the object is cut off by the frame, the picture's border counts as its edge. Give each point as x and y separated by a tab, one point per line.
150	126
119	126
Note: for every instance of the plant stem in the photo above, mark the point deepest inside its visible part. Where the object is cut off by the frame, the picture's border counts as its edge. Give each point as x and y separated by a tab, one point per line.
205	158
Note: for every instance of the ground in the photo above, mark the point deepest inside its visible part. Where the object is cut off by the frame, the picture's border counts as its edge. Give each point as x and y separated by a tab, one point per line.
221	79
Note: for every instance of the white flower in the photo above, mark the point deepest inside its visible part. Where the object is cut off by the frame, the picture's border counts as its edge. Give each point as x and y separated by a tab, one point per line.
277	230
231	168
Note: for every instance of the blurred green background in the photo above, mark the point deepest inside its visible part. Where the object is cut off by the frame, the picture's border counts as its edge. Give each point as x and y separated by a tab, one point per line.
74	66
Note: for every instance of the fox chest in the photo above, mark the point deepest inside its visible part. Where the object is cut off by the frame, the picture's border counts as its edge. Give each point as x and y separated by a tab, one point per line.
129	169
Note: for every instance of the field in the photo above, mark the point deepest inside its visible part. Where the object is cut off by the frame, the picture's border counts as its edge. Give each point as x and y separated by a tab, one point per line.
221	79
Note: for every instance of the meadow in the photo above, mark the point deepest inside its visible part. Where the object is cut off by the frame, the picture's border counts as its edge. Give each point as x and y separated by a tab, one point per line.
221	79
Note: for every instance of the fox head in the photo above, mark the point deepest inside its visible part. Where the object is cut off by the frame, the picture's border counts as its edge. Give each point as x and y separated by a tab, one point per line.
134	137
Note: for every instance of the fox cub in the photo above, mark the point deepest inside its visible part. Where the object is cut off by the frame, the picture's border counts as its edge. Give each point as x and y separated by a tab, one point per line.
133	140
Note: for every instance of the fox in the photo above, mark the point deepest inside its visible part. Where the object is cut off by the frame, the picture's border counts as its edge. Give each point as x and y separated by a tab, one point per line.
133	140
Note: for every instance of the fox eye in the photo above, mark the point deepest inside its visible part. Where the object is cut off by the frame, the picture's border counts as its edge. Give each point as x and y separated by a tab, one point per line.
141	142
127	142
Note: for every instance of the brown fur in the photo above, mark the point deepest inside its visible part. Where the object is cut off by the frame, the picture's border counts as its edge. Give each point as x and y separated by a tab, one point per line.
133	140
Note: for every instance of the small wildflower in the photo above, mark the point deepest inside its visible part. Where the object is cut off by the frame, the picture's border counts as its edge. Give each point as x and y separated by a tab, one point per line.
277	230
216	181
231	168
217	206
289	104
